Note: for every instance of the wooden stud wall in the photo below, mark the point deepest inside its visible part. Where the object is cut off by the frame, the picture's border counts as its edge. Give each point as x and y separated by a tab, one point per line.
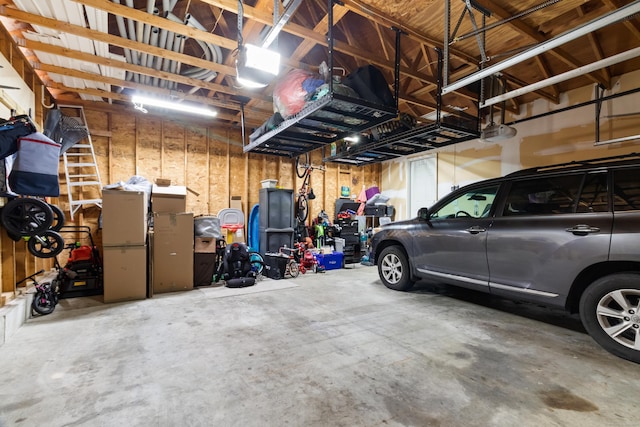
208	160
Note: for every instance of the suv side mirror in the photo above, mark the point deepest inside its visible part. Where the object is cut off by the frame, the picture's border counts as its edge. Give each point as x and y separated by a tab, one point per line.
423	213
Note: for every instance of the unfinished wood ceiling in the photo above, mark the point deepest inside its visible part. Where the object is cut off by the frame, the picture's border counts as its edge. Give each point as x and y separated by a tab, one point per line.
102	51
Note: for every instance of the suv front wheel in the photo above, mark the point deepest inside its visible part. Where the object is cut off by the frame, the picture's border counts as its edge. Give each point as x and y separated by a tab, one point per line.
393	269
610	311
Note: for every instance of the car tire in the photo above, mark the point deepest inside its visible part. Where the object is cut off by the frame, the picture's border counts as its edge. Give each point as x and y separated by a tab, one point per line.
393	269
609	313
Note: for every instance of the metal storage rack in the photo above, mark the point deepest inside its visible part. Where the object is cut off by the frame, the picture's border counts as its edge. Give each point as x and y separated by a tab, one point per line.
321	122
420	138
326	120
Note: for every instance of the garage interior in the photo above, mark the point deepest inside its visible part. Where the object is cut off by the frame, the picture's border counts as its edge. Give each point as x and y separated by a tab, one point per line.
473	89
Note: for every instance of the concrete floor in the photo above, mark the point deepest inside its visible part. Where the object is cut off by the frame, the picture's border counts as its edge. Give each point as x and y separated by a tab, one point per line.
333	349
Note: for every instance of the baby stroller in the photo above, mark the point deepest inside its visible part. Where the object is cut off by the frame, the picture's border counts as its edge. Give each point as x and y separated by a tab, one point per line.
236	266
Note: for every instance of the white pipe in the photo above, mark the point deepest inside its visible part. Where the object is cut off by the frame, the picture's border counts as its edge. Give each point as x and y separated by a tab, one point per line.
146	33
590	27
623	139
215	49
123	33
162	43
208	78
178	45
168	5
629	54
53	104
153	41
135	55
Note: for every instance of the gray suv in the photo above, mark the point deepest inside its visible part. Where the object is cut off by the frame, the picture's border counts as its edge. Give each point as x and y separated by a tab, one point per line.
566	235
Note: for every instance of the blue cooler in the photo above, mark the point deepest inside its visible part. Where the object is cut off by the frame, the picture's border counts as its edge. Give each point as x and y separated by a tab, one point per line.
332	261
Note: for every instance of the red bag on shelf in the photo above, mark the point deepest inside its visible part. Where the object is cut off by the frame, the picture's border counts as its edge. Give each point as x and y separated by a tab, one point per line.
289	94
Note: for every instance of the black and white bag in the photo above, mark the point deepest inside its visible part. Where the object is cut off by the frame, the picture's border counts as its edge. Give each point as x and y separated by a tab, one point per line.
35	170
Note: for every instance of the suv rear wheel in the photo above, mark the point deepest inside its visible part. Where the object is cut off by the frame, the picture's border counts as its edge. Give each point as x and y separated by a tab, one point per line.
610	311
393	269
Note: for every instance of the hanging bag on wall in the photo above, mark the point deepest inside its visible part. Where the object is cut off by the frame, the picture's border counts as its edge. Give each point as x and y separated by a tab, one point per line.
35	170
10	131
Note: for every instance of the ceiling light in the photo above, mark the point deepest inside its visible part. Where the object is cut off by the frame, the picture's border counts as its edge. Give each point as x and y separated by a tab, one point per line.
256	66
354	138
140	101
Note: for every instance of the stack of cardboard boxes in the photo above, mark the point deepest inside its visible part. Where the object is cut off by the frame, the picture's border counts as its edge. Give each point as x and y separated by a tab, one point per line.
124	243
171	241
167	261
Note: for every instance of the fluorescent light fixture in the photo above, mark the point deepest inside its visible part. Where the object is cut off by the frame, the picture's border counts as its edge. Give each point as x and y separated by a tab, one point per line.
140	101
262	59
353	138
250	84
256	66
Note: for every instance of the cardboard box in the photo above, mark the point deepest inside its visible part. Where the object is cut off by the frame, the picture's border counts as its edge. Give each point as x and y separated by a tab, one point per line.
125	273
172	199
236	202
205	245
124	218
172	251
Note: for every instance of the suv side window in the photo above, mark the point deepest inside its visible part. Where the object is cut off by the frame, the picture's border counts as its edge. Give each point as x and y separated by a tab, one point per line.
472	204
544	196
626	189
594	196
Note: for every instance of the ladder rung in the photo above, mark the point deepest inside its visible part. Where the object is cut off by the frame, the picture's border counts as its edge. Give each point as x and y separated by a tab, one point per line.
80	146
86	202
81	165
88	153
83	183
86	175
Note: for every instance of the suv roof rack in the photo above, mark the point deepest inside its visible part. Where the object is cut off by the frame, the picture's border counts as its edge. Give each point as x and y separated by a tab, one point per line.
576	164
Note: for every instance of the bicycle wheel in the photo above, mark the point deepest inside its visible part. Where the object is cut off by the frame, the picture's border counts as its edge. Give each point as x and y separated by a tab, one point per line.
46	244
294	269
43	302
257	263
58	218
302	163
302	211
26	216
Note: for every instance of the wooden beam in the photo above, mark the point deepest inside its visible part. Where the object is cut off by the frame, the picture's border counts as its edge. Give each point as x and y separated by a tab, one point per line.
319	37
113	40
597	52
534	35
146	88
74	54
123	98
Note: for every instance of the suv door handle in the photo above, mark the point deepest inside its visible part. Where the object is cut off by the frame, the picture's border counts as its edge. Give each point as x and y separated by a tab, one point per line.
476	229
582	229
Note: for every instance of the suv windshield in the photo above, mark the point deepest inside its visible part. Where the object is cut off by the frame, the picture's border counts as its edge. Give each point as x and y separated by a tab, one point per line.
475	204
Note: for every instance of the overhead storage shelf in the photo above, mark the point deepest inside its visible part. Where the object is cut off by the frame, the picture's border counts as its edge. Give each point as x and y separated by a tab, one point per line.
319	123
421	138
328	119
326	122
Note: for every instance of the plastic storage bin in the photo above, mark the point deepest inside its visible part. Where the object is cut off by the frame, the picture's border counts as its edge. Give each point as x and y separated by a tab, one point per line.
331	261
